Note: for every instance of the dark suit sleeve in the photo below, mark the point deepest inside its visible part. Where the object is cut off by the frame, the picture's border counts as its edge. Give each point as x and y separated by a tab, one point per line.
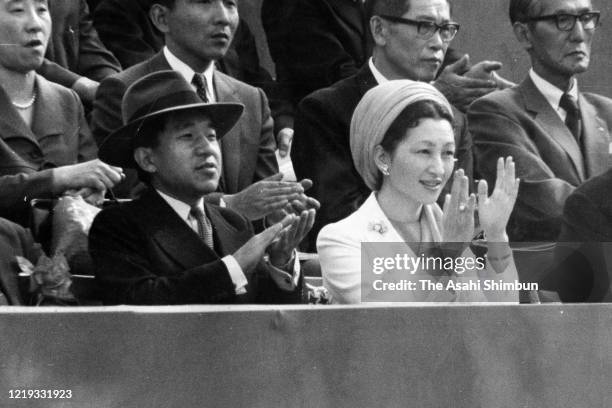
106	113
537	213
119	29
58	74
267	164
122	258
95	61
580	272
321	153
88	150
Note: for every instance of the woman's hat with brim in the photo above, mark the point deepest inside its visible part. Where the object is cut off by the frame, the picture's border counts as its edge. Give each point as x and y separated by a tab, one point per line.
157	94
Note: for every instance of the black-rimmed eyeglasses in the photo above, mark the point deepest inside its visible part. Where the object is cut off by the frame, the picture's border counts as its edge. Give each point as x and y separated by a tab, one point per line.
426	29
567	22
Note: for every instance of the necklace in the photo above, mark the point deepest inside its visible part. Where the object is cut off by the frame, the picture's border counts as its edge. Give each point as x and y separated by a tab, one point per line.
28	104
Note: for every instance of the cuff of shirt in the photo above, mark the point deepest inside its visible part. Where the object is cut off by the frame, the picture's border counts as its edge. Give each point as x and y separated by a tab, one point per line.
236	274
287	277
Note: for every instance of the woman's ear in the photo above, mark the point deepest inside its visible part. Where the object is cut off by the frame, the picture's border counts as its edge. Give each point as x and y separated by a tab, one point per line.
382	160
143	156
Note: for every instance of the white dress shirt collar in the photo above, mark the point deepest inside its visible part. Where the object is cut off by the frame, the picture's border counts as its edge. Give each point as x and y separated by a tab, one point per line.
378	76
186	71
553	94
182	209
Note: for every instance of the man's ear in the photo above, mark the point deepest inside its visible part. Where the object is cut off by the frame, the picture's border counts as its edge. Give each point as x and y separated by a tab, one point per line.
159	17
143	156
522	34
379	29
381	159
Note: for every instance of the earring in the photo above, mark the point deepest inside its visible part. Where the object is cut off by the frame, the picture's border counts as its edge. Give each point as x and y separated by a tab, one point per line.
385	170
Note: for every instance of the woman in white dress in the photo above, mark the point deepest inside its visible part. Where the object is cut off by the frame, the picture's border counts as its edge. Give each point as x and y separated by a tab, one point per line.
403	146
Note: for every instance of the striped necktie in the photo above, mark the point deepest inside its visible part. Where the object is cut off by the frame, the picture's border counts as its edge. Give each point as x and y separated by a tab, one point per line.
204	226
573	119
199	81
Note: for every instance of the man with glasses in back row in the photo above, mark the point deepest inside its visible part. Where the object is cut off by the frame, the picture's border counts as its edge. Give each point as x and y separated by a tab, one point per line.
558	136
411	39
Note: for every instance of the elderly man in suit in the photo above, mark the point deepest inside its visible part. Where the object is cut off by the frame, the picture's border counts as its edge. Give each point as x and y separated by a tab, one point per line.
558	135
196	35
46	148
402	50
169	246
75	57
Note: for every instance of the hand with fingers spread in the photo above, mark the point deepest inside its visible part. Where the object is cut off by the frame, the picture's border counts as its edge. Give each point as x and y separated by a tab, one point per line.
494	210
249	255
462	84
458	211
94	175
297	206
264	197
281	249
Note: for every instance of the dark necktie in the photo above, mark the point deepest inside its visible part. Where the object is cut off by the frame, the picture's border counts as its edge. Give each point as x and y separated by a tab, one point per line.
573	119
199	81
204	227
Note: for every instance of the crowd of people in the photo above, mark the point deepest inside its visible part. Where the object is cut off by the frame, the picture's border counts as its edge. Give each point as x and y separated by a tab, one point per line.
394	137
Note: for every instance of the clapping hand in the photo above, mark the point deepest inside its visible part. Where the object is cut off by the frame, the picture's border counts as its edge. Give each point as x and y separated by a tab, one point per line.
264	197
458	211
281	249
494	210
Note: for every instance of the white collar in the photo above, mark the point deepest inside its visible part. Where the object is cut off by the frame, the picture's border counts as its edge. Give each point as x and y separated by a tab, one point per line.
378	76
187	73
551	93
181	208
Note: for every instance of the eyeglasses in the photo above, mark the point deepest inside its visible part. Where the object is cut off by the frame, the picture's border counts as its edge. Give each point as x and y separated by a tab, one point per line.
567	22
426	29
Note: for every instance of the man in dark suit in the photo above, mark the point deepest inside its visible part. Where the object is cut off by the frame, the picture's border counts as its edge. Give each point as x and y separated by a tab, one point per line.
126	29
558	136
321	150
196	35
169	246
76	58
584	252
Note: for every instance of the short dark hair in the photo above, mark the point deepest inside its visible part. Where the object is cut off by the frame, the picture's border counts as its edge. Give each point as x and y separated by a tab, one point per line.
522	10
390	7
411	117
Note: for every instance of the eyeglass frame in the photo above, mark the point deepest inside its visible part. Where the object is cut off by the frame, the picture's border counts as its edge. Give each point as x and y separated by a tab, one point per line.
576	17
426	23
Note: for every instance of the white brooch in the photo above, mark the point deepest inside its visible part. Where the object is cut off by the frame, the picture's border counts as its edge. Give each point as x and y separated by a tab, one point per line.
378	226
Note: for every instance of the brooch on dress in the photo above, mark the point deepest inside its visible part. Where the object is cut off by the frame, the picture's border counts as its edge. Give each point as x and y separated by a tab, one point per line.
378	226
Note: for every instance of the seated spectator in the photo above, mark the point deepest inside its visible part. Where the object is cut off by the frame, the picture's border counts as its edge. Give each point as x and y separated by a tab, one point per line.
14	241
321	146
197	34
403	146
584	266
558	135
46	148
75	57
127	30
169	246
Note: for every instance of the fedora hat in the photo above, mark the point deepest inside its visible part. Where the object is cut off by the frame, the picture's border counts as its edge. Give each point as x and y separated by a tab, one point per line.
157	94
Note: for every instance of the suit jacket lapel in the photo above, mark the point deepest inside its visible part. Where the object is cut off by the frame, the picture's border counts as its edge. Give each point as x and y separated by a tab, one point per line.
595	138
48	113
365	79
227	238
231	143
11	124
552	124
171	233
